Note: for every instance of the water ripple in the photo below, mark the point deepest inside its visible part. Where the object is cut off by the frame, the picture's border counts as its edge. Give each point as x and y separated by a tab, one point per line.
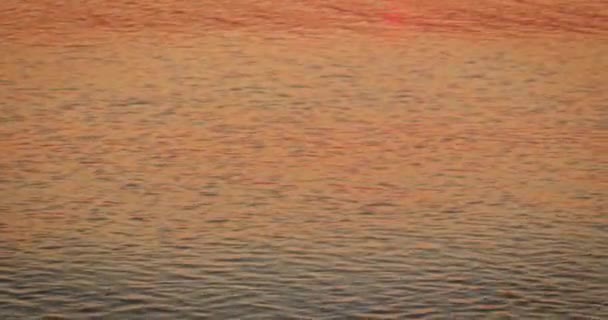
363	160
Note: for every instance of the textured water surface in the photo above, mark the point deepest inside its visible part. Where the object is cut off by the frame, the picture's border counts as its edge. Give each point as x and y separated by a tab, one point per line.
359	159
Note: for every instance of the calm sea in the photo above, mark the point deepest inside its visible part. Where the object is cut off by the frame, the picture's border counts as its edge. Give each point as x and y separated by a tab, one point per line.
311	159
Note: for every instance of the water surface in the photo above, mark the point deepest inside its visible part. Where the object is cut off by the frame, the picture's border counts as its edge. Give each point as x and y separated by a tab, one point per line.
255	160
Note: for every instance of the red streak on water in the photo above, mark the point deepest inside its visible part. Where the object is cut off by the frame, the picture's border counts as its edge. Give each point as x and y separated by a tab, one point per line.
393	18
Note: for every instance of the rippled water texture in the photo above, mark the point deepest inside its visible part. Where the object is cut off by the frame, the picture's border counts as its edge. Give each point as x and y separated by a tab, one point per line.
303	159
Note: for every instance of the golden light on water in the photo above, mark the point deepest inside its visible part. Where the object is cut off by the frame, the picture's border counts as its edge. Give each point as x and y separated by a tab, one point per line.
234	159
